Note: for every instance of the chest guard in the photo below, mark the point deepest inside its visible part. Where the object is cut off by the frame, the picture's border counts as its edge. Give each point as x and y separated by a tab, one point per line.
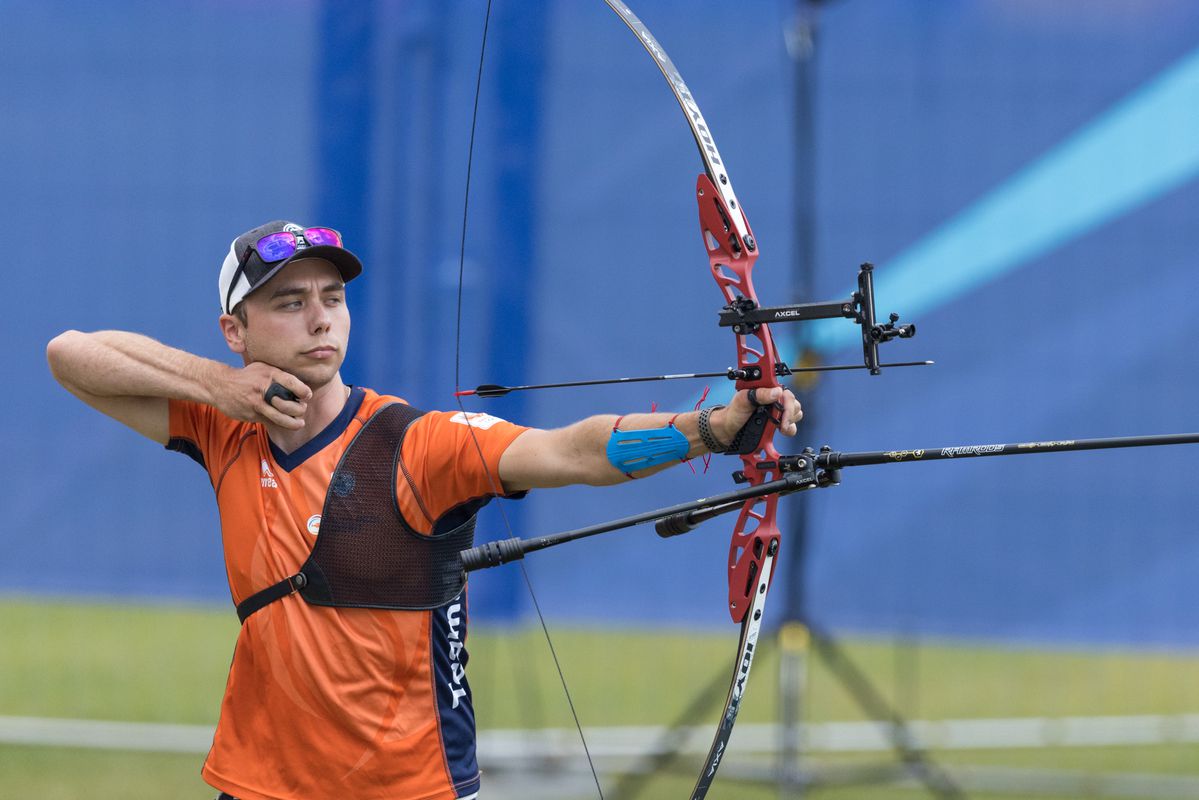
366	555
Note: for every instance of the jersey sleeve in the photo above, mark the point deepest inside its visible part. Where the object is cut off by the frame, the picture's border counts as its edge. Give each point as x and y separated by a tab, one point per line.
197	431
449	464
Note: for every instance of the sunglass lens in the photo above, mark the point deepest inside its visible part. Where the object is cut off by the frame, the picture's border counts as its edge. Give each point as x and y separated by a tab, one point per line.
276	246
322	236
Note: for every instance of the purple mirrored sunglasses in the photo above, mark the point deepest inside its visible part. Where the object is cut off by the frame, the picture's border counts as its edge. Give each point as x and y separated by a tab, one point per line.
276	247
279	246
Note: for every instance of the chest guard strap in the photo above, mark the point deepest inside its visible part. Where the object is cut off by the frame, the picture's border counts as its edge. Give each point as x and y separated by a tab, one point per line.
366	555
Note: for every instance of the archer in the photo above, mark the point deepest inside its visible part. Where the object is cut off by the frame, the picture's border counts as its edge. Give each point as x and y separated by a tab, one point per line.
356	687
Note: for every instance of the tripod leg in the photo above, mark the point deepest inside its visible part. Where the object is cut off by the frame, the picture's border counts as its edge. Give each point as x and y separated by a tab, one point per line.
918	762
667	749
794	650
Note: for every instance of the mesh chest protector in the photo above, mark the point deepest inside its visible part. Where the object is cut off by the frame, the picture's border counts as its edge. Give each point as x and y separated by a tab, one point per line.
366	555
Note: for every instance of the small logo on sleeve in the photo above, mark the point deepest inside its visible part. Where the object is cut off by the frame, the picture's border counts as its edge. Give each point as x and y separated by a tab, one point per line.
480	421
314	524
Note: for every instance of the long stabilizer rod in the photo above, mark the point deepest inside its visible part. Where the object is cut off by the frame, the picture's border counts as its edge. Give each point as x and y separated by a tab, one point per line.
838	460
829	463
805	471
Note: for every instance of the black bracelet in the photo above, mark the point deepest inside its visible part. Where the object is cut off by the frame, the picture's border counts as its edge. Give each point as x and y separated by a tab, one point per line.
705	431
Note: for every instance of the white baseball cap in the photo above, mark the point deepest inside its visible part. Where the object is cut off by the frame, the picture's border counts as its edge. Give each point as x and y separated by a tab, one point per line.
256	255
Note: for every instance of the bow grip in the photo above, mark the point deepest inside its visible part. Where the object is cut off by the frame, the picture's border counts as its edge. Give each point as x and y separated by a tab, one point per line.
749	438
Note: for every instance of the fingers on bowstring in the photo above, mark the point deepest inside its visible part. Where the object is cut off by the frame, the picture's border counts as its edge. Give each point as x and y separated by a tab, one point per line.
290	383
285	407
277	389
287	388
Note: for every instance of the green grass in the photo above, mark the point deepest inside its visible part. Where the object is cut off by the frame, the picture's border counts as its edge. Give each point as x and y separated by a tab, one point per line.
63	773
169	664
121	662
654	675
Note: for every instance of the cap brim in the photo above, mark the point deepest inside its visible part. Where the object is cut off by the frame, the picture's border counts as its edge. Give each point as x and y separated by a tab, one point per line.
346	262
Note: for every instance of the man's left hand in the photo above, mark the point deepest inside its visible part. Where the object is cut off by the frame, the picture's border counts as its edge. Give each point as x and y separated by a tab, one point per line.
728	421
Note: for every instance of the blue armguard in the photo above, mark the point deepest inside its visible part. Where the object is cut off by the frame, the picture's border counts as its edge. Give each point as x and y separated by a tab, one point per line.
629	451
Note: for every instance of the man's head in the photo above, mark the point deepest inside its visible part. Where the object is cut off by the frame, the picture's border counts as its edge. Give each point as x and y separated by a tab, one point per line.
259	254
290	281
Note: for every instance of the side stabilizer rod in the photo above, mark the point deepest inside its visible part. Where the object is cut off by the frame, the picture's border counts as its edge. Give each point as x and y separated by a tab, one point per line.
492	554
807	470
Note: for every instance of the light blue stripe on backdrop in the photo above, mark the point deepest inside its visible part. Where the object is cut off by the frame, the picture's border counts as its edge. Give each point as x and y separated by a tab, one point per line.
1141	148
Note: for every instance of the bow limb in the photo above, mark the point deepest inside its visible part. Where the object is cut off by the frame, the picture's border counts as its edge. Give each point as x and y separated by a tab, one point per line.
746	649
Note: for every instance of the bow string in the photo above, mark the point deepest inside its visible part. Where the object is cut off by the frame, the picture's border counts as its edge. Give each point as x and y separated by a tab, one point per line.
493	480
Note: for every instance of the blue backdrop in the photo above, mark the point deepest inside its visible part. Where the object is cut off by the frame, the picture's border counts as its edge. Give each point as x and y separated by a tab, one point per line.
1022	173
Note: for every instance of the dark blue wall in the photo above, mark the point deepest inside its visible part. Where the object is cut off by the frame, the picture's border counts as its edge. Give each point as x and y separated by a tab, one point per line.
1023	175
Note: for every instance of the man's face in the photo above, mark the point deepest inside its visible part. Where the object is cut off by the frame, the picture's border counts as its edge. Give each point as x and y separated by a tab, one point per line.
298	321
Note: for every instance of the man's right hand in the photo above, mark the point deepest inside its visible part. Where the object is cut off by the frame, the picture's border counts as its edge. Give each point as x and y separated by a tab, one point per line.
242	395
129	377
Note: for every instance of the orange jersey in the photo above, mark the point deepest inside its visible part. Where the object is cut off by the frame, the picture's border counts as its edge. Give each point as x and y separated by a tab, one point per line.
331	703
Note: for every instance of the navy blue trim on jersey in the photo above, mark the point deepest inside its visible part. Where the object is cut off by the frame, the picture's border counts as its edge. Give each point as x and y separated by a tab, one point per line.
458	515
455	712
289	461
188	448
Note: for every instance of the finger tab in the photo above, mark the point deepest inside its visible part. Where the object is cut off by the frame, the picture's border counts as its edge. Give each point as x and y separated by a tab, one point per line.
278	390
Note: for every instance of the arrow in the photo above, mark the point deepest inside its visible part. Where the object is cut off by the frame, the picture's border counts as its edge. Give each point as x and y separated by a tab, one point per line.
496	390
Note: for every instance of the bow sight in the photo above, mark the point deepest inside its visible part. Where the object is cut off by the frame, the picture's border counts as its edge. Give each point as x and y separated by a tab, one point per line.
745	317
